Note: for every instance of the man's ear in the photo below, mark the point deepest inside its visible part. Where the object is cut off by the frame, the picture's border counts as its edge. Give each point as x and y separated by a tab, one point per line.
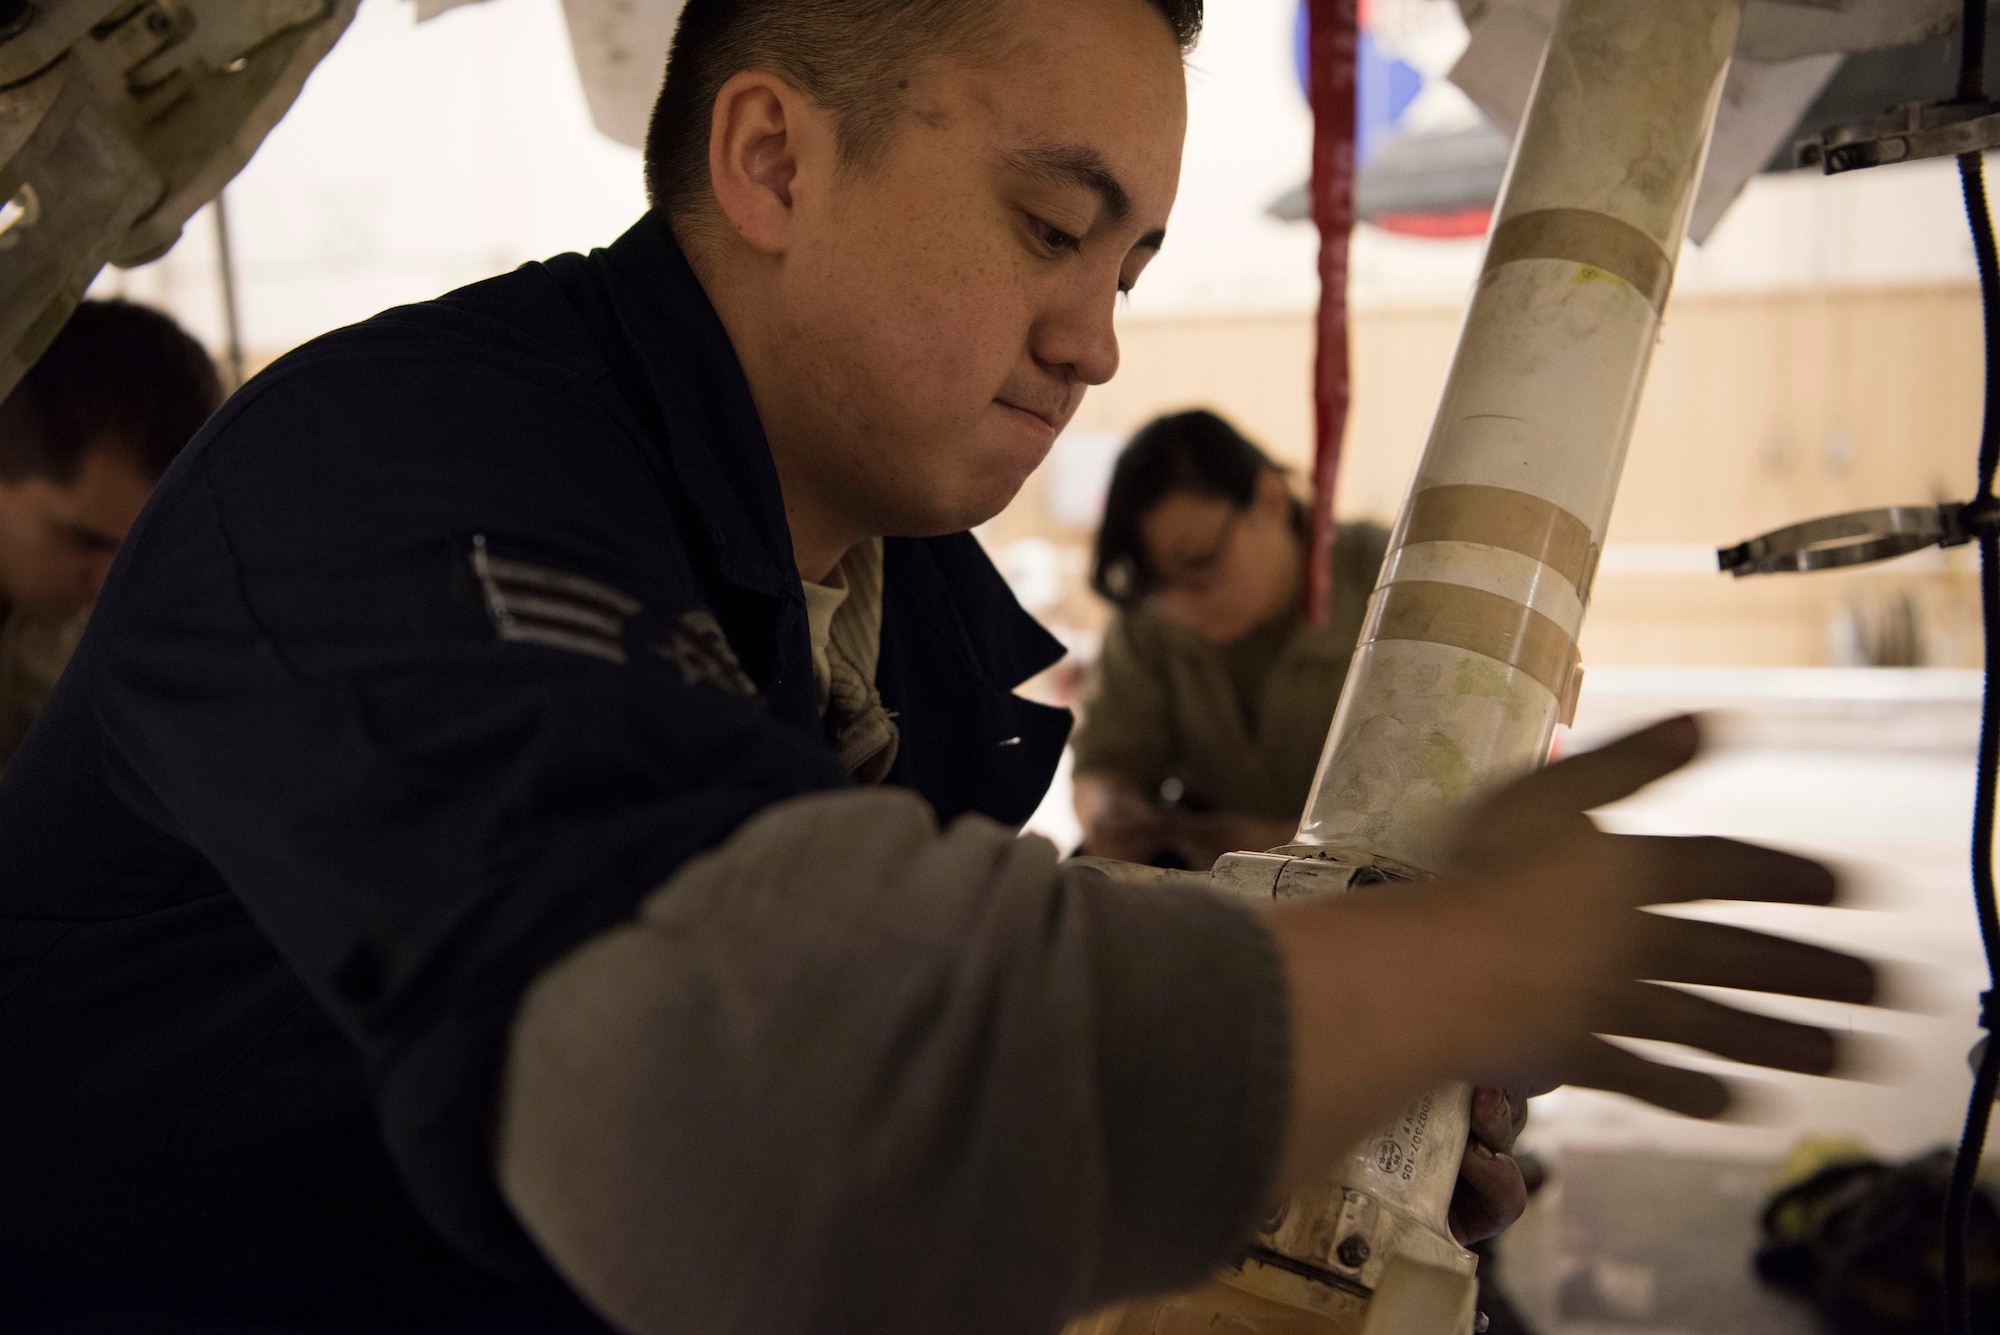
762	133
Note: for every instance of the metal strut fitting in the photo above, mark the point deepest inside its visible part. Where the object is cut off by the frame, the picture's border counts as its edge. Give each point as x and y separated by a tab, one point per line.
1905	133
120	118
1468	659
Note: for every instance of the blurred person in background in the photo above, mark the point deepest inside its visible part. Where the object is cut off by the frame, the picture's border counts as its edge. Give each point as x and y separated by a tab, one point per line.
1204	718
83	438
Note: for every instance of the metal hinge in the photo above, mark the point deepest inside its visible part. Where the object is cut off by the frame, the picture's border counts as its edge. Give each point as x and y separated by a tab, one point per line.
1904	134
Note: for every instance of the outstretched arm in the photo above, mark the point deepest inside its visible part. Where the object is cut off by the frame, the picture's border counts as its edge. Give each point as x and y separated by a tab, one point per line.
851	1072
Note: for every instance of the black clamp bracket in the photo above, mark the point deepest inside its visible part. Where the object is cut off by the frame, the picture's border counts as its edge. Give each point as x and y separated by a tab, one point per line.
1904	134
1861	537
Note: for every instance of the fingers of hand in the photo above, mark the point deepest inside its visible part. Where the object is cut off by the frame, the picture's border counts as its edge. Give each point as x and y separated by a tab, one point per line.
1681	950
1494	1123
1598	778
1129	837
1595	1064
1650	1010
1129	823
1541	811
1490	1195
1674	870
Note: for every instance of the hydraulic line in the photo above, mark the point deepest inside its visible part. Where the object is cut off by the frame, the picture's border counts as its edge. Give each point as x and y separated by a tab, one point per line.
1981	513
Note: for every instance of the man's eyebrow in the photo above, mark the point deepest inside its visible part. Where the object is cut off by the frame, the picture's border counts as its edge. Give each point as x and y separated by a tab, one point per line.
1084	167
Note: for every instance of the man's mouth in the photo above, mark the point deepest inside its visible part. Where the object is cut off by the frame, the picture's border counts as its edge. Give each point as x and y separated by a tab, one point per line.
1052	418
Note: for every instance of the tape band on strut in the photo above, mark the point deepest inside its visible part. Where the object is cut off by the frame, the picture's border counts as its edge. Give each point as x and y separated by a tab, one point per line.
1514	521
1584	236
1461	617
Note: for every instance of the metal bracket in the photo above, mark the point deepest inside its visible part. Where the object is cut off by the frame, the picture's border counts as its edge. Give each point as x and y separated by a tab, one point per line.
1904	134
1860	537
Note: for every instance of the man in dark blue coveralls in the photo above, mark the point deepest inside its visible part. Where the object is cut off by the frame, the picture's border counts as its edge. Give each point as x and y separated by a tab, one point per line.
526	842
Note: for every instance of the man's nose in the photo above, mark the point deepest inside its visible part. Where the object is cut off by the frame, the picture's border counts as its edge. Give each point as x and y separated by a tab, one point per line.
1081	336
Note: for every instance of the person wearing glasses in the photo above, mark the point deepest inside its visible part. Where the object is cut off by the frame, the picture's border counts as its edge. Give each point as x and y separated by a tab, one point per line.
1204	718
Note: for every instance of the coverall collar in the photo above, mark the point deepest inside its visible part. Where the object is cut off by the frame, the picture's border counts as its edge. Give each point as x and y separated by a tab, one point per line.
715	442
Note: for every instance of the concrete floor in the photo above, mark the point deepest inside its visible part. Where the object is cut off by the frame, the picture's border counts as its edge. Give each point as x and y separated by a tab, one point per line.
1640	1243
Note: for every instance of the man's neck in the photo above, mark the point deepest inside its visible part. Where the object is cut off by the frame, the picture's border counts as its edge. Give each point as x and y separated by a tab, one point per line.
817	548
820	534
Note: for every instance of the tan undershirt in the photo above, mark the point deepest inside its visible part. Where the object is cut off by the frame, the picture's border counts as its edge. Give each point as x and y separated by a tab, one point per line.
844	622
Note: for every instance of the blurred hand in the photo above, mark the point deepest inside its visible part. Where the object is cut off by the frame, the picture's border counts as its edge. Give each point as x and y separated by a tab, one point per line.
1127	828
1535	942
1201	838
1565	901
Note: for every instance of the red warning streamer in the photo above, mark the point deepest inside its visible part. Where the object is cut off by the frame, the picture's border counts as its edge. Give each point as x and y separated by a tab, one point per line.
1333	42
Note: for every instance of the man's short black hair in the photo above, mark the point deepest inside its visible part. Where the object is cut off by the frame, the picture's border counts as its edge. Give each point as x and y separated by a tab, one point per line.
1192	453
118	377
850	56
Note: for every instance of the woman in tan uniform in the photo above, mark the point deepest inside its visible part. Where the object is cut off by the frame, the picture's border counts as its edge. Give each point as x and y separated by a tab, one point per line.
1204	718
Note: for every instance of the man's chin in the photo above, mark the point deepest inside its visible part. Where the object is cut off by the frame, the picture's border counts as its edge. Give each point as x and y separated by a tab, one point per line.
996	496
955	510
1007	467
965	486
